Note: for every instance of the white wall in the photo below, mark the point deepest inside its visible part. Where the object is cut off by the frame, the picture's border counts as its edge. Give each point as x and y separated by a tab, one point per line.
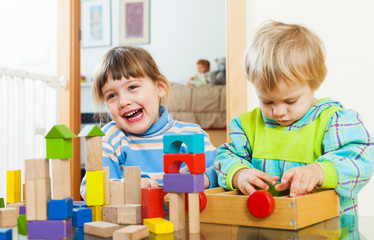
27	27
181	32
347	29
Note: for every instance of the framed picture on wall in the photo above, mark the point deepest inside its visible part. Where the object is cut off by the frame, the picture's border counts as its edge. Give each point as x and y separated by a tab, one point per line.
96	23
134	22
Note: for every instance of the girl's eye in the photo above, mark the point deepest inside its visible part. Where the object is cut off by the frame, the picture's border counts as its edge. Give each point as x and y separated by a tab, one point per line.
132	87
110	96
266	102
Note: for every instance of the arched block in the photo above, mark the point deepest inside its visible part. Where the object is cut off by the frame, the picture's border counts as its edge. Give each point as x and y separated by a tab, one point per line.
194	161
194	143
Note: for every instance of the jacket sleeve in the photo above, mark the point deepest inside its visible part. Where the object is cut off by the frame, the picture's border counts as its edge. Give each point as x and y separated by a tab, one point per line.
210	155
233	156
348	153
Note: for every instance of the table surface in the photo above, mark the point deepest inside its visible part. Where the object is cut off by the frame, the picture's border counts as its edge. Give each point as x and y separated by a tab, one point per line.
343	227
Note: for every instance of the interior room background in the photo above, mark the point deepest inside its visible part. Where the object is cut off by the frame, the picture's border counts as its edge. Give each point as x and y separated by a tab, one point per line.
346	27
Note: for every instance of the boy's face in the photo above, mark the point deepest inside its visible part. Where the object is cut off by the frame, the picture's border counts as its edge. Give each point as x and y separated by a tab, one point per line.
201	68
286	103
133	103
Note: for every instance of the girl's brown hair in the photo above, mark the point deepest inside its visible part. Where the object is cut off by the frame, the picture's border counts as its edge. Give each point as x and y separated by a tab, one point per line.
124	61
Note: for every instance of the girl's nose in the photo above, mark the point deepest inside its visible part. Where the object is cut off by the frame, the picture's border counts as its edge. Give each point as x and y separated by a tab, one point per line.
124	101
279	110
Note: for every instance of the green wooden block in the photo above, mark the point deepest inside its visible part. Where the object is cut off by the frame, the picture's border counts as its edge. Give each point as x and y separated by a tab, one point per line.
59	142
22	224
2	205
91	131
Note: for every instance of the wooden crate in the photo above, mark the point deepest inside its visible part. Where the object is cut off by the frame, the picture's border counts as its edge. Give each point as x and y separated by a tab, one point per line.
230	207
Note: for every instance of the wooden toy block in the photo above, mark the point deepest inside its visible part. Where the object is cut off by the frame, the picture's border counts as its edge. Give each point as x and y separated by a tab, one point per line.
202	201
131	214
81	216
194	161
169	236
22	209
13	184
107	185
37	168
22	224
79	233
186	183
194	212
19	205
50	229
176	210
152	202
260	204
96	213
60	209
95	182
101	229
117	191
132	185
79	204
38	194
159	225
60	179
6	234
8	217
2	203
194	142
133	232
59	142
94	155
112	213
230	207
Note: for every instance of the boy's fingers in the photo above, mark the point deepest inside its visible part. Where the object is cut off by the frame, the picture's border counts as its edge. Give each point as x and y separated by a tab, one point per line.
154	183
282	186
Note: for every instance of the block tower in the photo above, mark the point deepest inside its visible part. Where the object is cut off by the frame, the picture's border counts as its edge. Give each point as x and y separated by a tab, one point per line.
177	184
49	210
96	177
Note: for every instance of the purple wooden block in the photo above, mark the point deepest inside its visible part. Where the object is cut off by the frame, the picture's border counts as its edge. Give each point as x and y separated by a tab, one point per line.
49	229
22	209
183	183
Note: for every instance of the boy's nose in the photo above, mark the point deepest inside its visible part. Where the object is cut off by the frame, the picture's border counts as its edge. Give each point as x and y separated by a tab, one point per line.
279	110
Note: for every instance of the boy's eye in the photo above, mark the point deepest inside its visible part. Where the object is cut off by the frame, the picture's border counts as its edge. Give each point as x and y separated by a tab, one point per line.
291	101
267	102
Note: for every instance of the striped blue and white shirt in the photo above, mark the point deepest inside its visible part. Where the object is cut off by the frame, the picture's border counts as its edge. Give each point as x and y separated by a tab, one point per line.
121	149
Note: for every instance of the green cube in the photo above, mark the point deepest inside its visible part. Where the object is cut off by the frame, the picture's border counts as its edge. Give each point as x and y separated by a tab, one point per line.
2	205
22	224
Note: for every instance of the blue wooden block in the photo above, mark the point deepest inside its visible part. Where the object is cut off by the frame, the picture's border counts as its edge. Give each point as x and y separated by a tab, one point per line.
81	216
183	183
6	234
60	209
194	142
79	233
78	204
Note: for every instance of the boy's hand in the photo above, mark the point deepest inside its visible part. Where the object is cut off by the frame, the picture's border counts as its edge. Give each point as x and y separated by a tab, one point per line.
301	180
147	182
247	180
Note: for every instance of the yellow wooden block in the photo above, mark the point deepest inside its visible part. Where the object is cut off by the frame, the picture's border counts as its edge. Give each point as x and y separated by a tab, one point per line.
96	188
96	213
13	186
159	225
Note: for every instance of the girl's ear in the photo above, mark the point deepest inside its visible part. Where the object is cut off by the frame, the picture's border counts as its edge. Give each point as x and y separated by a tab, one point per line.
162	89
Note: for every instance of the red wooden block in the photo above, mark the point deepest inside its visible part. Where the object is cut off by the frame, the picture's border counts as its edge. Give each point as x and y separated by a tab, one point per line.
260	204
194	161
202	201
152	202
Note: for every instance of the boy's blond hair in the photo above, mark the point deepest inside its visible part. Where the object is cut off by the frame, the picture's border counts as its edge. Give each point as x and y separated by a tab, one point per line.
285	52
